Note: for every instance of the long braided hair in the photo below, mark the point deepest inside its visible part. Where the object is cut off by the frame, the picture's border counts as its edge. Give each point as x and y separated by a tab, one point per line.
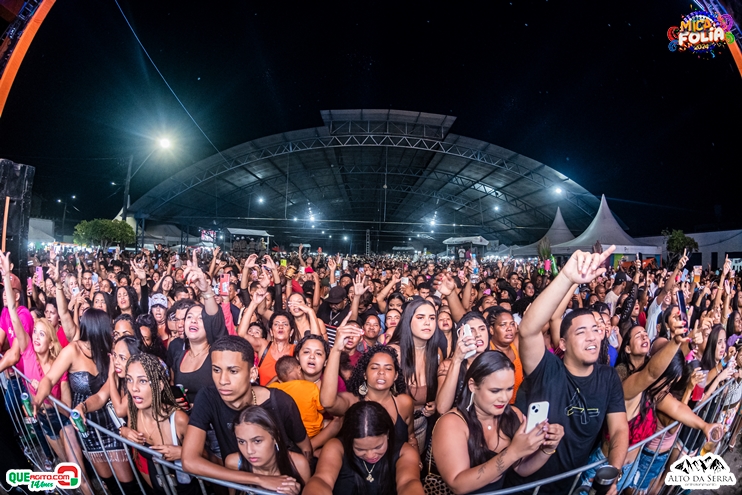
163	401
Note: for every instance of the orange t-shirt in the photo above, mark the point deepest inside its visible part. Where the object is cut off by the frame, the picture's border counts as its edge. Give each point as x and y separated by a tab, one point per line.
306	396
267	369
518	369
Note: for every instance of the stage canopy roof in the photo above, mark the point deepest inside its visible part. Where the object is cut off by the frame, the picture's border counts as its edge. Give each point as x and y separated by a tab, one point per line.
391	171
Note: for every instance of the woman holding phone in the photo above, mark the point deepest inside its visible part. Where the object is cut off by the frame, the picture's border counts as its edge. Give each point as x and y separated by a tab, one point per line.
484	436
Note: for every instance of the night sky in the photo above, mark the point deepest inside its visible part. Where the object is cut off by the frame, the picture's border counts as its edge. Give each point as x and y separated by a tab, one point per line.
595	94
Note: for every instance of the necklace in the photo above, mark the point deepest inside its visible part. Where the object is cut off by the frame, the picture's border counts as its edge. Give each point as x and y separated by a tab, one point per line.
421	347
254	397
369	478
194	355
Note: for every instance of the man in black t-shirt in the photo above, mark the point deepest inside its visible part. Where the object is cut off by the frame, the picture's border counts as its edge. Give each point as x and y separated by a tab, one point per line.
218	406
582	395
333	311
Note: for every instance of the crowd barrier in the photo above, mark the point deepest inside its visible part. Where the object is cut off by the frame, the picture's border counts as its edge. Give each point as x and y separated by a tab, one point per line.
32	441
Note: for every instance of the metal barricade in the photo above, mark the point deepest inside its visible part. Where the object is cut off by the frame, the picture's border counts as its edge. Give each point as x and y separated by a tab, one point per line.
34	451
33	447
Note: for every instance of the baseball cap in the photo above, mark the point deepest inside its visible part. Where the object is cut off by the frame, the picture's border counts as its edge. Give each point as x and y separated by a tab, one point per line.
620	277
337	295
15	282
158	300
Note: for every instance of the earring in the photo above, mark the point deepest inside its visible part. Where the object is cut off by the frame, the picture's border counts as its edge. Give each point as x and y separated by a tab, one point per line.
394	389
363	389
471	401
277	449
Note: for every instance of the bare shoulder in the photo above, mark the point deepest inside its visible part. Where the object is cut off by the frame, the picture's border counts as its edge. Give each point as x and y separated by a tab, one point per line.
232	461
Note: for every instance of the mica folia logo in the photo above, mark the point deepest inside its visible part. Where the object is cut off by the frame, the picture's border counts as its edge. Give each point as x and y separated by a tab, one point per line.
65	476
709	471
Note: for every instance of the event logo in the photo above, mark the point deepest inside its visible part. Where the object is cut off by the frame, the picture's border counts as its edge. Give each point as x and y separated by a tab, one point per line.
65	476
709	471
701	32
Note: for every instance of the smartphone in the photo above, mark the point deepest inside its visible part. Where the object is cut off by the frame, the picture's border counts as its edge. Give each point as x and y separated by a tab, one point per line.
338	273
40	274
95	278
224	284
29	284
577	291
178	393
302	270
361	270
466	332
283	262
683	310
404	280
537	412
345	264
383	273
75	291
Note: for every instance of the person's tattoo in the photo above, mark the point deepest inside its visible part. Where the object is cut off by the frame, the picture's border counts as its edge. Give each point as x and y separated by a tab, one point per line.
480	471
499	461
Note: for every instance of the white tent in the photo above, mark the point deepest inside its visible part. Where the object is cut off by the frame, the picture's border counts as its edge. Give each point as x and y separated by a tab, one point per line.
404	248
557	234
605	229
166	234
37	235
476	240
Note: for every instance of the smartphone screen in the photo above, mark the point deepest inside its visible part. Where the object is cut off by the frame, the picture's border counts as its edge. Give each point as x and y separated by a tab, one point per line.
39	274
224	284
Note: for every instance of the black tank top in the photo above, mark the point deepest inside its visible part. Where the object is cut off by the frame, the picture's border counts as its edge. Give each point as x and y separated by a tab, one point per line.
346	480
401	431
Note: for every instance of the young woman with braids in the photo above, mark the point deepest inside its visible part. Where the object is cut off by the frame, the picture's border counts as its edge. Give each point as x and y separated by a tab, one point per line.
478	442
365	458
155	420
419	359
376	378
263	452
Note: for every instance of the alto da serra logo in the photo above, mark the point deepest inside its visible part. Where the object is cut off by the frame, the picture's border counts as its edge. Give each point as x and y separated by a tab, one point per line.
65	476
709	471
701	32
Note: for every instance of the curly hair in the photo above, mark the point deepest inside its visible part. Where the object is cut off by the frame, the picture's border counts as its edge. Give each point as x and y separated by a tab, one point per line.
357	378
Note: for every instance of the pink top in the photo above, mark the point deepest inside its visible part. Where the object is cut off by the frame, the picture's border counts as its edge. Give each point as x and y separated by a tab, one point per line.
6	324
30	367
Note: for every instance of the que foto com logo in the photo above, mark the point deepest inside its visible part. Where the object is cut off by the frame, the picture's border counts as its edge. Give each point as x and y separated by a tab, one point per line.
65	476
701	32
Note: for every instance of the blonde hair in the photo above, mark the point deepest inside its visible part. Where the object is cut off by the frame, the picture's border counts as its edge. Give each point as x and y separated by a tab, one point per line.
54	347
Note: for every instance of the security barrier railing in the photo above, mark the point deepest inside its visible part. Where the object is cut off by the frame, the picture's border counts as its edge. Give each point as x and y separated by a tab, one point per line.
42	456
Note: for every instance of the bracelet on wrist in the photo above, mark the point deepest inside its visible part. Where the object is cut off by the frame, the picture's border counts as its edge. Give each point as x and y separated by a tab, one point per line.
547	453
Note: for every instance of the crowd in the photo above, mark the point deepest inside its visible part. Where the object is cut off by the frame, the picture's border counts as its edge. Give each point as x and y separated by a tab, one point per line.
323	374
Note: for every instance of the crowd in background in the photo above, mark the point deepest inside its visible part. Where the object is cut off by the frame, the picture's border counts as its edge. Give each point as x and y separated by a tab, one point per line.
325	374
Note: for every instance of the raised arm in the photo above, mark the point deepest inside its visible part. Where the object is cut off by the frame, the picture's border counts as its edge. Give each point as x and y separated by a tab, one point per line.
194	275
249	265
555	322
448	377
13	355
360	288
333	402
68	323
638	382
445	284
581	268
384	292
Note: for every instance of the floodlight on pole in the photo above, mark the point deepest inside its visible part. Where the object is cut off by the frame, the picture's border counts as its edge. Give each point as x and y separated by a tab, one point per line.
164	144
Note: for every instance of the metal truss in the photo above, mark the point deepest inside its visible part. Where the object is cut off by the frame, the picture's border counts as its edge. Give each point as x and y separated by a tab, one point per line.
382	140
409	190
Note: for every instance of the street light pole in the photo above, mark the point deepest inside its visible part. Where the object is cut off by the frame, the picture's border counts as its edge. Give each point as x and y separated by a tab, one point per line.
164	143
124	211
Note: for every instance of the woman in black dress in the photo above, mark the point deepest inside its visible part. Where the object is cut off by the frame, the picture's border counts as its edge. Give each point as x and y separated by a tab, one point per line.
365	459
